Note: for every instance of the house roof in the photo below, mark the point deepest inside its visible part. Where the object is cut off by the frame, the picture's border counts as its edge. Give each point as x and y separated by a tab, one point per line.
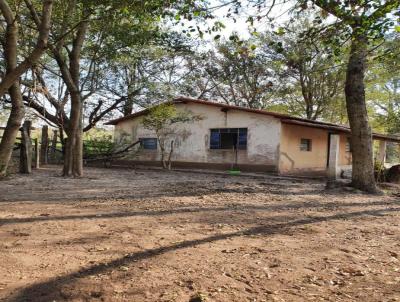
285	118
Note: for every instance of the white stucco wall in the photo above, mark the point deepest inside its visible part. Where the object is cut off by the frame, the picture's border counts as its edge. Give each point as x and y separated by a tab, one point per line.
192	141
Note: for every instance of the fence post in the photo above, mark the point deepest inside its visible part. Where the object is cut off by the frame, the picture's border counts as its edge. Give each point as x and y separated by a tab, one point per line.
37	154
53	146
25	163
44	145
64	146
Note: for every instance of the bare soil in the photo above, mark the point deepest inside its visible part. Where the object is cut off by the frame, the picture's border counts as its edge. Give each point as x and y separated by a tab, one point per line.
124	235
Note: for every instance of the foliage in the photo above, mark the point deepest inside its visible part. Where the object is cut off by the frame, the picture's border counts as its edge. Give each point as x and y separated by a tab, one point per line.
383	88
97	147
147	75
98	134
364	24
379	171
97	142
240	74
310	80
161	119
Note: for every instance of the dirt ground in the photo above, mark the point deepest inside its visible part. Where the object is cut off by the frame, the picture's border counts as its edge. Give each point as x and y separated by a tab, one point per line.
124	235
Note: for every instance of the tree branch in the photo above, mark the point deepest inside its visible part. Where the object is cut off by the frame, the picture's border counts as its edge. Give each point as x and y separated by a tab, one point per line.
41	45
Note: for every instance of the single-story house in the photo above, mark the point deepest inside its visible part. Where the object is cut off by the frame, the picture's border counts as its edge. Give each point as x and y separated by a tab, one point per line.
250	139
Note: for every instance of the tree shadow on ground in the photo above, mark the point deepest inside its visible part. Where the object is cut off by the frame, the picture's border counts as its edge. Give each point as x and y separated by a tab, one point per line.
165	190
189	210
46	188
50	290
87	192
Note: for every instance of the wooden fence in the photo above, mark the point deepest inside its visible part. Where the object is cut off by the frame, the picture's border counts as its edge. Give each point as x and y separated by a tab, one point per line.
26	149
31	153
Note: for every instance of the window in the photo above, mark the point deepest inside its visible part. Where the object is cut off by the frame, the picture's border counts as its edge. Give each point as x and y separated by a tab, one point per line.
228	138
148	143
305	144
348	145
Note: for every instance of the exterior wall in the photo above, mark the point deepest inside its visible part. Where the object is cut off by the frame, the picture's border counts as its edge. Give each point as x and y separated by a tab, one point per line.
271	146
344	157
192	139
295	161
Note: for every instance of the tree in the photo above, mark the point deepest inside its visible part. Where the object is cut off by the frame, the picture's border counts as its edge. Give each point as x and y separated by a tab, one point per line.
48	93
239	75
14	69
310	82
162	119
362	23
383	87
148	75
79	24
126	77
383	92
11	41
129	78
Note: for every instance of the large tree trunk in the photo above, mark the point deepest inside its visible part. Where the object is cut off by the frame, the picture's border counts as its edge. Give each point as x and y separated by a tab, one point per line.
12	128
73	157
43	26
17	105
361	136
10	80
25	159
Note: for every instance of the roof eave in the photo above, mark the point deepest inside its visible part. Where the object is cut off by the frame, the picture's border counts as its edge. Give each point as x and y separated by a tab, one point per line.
283	117
341	129
128	117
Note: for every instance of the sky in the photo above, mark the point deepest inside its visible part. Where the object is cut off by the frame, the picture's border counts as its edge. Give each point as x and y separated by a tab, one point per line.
240	26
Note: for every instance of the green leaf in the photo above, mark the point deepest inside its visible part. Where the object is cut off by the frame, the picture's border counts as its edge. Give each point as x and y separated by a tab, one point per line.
397	28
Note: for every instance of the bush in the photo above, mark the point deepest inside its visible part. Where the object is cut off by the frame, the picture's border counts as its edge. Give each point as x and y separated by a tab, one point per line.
379	172
97	146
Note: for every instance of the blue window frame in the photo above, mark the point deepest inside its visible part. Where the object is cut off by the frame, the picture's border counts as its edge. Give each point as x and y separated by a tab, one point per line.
148	143
214	139
228	138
